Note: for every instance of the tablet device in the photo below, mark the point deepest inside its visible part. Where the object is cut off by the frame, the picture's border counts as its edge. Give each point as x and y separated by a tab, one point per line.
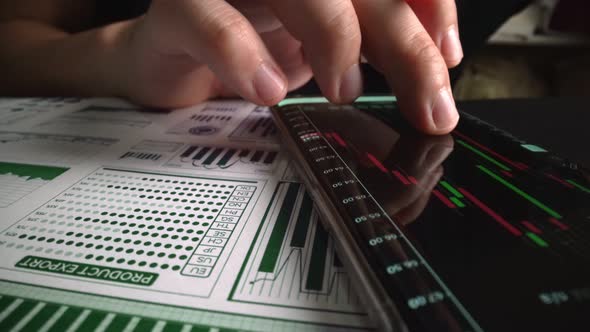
472	231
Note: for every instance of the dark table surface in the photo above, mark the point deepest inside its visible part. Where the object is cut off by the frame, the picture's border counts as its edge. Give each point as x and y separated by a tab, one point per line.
561	125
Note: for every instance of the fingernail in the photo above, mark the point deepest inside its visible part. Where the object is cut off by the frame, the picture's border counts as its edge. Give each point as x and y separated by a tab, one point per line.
444	111
268	84
351	84
451	46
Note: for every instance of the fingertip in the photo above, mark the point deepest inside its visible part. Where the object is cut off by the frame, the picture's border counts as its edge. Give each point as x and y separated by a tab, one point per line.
444	112
269	84
436	115
450	47
351	84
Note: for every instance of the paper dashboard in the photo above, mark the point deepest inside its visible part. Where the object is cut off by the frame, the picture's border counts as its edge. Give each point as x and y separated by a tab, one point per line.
117	218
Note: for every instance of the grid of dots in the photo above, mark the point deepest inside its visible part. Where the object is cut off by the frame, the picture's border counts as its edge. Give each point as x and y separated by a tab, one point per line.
124	218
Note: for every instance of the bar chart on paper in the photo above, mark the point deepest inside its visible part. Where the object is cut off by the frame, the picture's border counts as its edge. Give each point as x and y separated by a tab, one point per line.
21	314
174	228
258	126
292	261
229	159
19	180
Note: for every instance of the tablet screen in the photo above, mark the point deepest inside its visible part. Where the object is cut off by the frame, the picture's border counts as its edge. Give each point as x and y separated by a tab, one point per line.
471	231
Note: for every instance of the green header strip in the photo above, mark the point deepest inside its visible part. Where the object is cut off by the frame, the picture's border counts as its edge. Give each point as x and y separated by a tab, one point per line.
322	100
87	271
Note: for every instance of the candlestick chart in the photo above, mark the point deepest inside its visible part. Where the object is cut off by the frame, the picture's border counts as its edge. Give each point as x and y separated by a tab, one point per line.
462	225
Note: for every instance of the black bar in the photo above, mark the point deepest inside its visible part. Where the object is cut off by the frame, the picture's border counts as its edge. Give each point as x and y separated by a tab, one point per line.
317	261
244	153
270	157
226	157
266	122
257	156
267	131
256	125
201	153
189	151
302	225
337	262
213	156
127	154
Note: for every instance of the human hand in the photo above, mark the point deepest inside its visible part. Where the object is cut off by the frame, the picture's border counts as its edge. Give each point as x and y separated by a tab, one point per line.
184	51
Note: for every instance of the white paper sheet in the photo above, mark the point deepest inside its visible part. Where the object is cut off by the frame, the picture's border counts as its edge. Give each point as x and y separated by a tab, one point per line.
112	216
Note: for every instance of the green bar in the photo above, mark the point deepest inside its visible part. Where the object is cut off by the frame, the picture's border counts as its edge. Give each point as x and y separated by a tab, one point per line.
317	262
483	155
451	189
303	219
19	313
5	301
537	240
322	100
520	192
230	153
273	248
172	327
579	186
41	317
145	324
118	323
533	148
32	171
92	321
457	202
213	156
66	320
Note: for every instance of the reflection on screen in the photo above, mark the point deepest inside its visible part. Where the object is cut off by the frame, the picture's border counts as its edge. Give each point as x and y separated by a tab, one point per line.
471	231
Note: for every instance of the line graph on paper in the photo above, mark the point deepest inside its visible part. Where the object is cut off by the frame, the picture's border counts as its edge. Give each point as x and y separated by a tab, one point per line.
292	261
49	148
19	180
16	110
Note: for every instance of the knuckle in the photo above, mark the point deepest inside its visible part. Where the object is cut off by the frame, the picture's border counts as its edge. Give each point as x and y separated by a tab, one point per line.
228	30
422	49
426	59
343	26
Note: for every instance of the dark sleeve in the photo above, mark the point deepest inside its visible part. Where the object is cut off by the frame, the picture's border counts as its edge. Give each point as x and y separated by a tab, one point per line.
108	11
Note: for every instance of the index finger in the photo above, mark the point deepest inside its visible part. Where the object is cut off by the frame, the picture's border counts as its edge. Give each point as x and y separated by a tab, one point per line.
331	38
397	44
